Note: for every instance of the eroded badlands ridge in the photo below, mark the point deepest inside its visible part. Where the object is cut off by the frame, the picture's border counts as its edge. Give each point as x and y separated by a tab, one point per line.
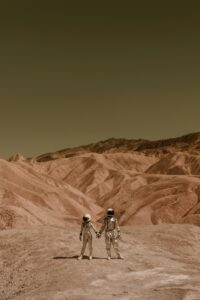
146	183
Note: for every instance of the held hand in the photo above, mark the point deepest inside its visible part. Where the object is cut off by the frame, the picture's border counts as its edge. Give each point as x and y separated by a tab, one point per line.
98	235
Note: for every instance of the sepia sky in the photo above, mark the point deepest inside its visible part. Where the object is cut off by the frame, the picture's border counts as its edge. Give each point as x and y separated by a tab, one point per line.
76	72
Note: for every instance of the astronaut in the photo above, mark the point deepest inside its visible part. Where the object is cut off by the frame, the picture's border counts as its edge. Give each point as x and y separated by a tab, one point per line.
112	233
86	235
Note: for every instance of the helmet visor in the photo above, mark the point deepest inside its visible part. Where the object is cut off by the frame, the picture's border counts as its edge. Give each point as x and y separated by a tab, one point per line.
110	212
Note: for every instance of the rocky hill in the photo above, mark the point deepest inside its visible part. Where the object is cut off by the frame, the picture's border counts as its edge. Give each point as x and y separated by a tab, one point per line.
145	182
189	142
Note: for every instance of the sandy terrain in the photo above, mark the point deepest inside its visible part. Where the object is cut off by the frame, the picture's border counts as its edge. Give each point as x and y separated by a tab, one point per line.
28	197
42	201
58	192
161	262
158	182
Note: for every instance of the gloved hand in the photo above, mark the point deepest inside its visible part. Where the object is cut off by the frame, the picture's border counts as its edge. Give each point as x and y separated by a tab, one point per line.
80	237
98	235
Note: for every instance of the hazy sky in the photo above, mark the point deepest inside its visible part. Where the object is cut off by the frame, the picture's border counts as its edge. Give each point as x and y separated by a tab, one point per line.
75	72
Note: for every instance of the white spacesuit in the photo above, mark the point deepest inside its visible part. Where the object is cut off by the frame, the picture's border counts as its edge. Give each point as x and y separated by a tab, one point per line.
112	233
86	235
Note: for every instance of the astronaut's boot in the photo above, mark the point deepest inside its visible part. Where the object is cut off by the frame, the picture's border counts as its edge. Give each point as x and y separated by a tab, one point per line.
109	254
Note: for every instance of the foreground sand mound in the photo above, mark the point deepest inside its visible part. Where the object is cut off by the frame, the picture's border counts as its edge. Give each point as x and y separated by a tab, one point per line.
161	262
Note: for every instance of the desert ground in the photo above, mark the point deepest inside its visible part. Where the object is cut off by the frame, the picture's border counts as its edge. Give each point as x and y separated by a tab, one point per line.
154	188
160	262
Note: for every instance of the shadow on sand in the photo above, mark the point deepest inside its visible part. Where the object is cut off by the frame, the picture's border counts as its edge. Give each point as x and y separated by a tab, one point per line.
76	256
